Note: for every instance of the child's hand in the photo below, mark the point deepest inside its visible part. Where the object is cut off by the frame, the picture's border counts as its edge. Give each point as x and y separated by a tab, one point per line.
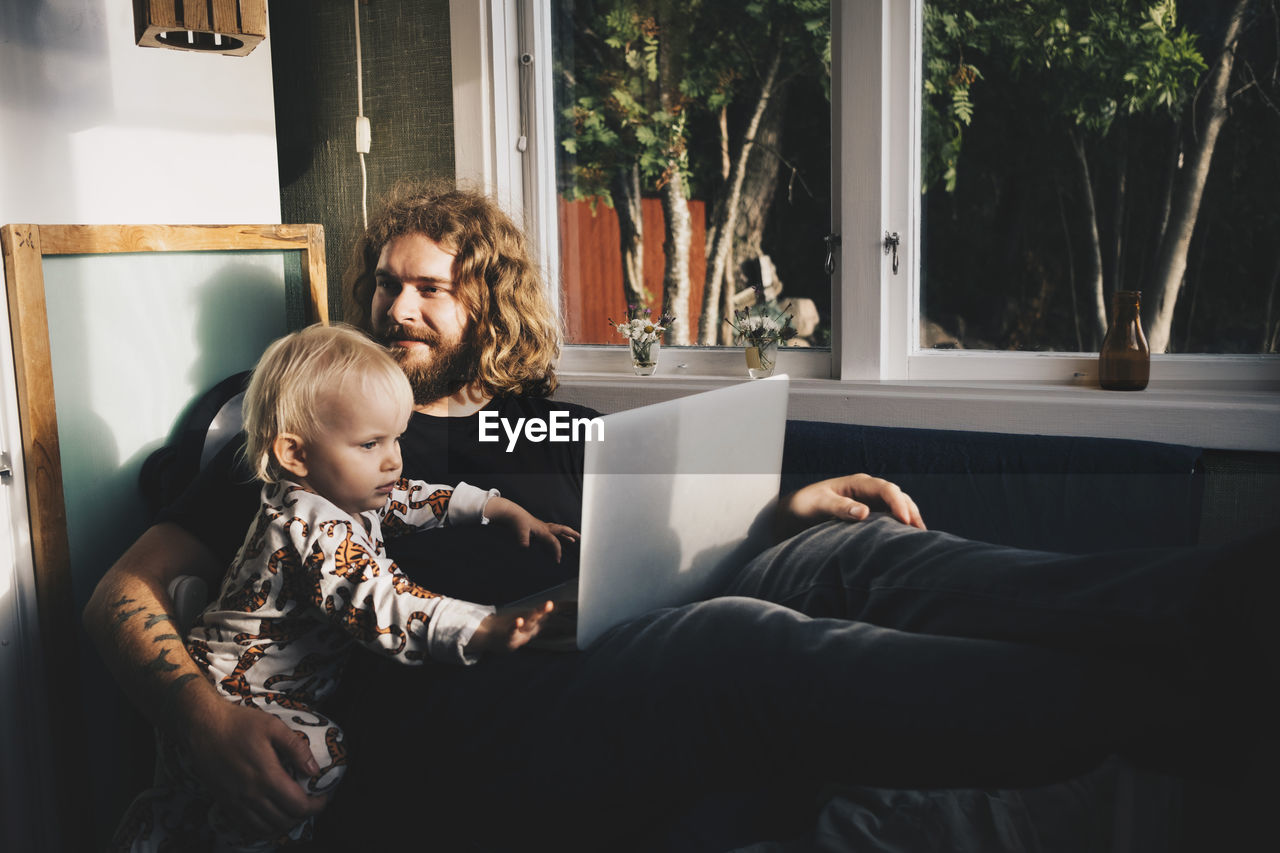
527	528
508	630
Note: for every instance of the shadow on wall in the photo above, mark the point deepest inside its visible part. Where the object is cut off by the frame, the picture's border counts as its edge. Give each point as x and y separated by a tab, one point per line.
239	310
52	56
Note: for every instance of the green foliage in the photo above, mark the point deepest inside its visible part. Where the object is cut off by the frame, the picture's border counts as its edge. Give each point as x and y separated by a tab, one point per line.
1092	63
642	69
616	117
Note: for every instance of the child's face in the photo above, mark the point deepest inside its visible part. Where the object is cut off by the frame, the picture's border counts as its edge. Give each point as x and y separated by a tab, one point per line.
354	457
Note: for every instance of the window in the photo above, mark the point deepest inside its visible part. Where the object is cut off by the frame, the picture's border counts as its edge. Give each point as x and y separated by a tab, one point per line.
885	323
1073	149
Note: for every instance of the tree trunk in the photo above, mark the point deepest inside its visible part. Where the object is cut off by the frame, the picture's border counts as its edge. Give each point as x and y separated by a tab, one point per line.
1194	285
1171	178
1171	259
626	202
1117	225
759	186
677	225
726	298
1071	270
1093	269
726	162
1271	323
675	277
720	234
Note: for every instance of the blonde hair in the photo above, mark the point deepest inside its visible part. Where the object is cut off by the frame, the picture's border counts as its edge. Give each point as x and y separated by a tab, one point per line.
512	322
296	371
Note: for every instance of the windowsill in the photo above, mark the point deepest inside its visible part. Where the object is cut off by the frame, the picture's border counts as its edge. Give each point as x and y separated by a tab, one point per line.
1217	415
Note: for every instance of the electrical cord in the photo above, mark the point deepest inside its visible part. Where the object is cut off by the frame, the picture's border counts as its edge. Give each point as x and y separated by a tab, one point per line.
363	131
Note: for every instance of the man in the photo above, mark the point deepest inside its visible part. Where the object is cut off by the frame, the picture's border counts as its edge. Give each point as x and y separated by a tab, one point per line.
862	648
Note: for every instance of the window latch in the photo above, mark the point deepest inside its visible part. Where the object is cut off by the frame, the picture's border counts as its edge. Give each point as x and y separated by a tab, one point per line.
833	243
5	471
891	245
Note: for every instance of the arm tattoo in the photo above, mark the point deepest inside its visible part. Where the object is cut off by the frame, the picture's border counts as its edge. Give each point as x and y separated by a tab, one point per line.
125	615
124	599
176	684
155	619
172	689
163	637
160	664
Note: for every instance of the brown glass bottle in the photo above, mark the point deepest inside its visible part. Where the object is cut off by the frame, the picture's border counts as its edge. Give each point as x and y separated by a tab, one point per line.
1124	363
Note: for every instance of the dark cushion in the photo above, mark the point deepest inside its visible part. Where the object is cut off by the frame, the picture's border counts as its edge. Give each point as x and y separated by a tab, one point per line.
1056	493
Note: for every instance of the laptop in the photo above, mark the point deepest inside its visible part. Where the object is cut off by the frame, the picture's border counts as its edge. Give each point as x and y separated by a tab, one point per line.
676	497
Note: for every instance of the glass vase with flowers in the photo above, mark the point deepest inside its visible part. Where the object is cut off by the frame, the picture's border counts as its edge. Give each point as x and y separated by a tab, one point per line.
760	328
644	334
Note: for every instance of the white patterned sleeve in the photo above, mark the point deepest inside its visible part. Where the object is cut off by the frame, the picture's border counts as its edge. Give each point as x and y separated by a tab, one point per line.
361	591
418	505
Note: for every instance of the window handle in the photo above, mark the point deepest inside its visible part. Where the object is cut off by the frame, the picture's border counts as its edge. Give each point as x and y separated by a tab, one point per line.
833	243
891	245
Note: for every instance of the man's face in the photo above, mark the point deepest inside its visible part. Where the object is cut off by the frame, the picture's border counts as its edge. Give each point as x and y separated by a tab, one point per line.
419	318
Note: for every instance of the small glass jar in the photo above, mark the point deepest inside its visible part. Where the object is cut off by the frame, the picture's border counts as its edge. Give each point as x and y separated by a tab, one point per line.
644	357
1124	361
762	355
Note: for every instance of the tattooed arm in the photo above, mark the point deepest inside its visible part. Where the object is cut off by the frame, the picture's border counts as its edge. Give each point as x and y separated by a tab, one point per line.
236	751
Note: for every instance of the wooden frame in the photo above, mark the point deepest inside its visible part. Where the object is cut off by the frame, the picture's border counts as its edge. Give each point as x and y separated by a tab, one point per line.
25	247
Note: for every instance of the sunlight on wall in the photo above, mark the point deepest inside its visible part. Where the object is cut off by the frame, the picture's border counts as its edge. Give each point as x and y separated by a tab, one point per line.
178	176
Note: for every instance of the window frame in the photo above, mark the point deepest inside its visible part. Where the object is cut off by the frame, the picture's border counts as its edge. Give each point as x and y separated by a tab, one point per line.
875	166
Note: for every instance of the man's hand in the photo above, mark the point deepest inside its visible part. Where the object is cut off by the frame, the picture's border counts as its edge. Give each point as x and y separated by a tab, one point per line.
846	499
526	528
508	630
242	755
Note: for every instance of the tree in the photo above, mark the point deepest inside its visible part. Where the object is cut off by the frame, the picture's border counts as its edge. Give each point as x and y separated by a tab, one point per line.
1171	259
1112	75
626	125
648	71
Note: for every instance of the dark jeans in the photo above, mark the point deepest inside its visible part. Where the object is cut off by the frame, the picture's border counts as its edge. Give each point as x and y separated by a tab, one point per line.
870	654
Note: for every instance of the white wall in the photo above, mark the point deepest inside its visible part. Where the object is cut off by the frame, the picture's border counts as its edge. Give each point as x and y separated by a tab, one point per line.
94	129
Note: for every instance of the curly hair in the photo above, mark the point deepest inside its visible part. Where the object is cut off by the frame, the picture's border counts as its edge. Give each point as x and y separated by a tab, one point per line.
514	326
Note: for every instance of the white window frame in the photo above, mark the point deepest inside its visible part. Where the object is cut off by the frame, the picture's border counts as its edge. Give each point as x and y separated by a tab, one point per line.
482	42
876	97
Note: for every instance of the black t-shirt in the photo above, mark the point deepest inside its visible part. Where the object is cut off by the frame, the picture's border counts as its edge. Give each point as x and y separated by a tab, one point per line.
478	564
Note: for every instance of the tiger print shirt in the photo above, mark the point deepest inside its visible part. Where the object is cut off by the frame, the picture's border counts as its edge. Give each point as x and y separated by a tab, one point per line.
311	581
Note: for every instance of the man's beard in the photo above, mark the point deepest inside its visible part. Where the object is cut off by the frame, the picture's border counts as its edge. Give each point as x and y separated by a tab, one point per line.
438	373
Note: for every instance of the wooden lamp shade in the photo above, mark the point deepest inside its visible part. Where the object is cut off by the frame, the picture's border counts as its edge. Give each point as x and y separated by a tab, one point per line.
231	27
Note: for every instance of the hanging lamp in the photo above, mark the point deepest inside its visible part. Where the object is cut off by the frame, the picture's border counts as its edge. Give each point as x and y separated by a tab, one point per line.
231	27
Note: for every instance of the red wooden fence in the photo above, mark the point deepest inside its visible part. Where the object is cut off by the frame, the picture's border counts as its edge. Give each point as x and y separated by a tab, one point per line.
591	268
